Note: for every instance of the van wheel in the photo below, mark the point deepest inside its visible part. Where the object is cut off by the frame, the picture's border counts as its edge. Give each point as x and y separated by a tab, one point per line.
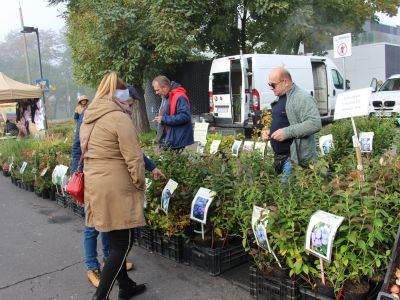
248	132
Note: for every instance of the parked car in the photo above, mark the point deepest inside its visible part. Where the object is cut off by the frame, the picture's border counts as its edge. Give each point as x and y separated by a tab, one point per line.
385	100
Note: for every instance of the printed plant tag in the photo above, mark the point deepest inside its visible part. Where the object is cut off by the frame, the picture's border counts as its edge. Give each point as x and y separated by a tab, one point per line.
235	148
321	233
168	190
366	139
214	146
200	205
326	144
248	146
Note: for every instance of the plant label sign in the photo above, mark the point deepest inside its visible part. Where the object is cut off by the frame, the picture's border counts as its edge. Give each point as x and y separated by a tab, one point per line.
326	144
200	205
321	233
23	167
235	148
365	140
260	146
148	183
248	146
167	192
214	146
58	174
352	104
200	147
259	223
200	132
44	171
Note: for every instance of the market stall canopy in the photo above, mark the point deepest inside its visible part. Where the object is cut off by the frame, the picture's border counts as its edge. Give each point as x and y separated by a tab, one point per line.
12	91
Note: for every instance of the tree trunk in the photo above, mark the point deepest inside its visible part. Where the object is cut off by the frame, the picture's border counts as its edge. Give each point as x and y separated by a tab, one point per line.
139	115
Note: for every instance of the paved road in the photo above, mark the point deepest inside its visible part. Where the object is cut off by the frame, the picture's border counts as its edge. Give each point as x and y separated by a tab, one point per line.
41	258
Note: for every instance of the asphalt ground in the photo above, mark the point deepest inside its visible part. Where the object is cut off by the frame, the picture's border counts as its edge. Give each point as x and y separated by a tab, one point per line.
41	258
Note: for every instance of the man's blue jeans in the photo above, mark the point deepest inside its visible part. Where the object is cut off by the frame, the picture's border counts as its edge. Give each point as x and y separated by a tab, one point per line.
90	247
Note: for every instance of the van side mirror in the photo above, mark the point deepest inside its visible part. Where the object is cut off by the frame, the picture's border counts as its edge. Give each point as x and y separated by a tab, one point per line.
374	85
347	84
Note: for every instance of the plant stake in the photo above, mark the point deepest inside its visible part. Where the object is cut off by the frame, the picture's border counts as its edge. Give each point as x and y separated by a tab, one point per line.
321	263
356	145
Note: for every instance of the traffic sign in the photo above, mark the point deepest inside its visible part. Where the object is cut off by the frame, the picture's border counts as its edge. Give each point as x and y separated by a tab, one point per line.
342	45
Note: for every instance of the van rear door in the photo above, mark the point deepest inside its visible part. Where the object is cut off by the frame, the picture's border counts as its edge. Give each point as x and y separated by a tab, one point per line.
222	96
245	91
320	86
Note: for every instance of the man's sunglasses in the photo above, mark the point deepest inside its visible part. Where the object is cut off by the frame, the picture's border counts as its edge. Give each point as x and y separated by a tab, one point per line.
274	84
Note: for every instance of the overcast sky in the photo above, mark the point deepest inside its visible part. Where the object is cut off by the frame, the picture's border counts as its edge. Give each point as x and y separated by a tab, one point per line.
36	13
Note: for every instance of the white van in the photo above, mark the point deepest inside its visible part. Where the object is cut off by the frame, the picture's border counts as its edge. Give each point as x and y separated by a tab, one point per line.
238	85
385	101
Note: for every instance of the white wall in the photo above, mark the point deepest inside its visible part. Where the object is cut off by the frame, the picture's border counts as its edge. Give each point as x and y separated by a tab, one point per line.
366	62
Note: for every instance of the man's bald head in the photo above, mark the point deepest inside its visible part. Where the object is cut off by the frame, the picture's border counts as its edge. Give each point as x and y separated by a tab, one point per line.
280	81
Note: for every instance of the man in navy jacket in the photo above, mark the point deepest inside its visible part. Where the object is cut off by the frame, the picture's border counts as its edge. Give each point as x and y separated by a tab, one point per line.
174	121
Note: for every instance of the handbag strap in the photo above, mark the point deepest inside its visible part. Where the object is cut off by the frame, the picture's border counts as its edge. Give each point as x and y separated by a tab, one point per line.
87	143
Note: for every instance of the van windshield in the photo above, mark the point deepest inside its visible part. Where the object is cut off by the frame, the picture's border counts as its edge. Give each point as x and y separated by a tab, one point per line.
221	83
391	85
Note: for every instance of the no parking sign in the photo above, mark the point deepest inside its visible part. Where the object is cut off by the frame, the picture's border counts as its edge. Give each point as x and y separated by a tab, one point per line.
342	45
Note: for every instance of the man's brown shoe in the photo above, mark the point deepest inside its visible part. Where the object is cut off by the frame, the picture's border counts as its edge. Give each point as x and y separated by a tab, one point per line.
129	266
94	277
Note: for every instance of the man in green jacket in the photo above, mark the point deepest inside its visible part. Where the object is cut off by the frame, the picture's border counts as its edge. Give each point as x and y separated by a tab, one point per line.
295	120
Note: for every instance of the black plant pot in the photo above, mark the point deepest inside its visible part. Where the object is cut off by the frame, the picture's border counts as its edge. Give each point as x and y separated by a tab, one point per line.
26	186
278	272
375	285
325	290
38	193
46	194
356	291
53	194
31	188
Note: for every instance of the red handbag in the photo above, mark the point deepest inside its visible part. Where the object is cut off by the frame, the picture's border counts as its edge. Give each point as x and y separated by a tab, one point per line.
76	184
76	187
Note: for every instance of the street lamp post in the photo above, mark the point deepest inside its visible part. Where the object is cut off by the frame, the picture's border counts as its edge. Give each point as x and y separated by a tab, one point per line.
27	29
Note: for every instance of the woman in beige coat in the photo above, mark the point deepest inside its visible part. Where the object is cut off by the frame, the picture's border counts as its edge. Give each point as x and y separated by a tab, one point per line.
114	180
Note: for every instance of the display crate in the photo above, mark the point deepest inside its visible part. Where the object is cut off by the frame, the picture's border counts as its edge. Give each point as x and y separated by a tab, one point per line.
267	287
307	294
135	236
384	294
78	209
145	238
61	200
215	261
169	247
